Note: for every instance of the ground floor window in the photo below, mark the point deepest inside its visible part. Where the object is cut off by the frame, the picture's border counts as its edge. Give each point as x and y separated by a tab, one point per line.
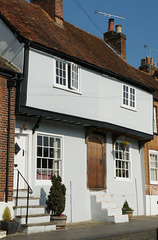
122	161
49	156
153	159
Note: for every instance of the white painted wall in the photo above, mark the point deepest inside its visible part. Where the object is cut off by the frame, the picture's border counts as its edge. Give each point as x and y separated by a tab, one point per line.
10	48
78	196
131	190
100	98
151	205
74	167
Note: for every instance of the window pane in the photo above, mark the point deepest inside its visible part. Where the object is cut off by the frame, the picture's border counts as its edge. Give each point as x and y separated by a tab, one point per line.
60	73
154	167
49	149
122	161
38	163
45	152
58	153
50	163
44	163
51	152
58	142
128	96
39	140
39	151
74	76
51	142
45	141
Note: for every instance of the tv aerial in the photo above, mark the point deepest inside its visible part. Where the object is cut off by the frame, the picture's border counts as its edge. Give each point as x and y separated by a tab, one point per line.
150	49
108	15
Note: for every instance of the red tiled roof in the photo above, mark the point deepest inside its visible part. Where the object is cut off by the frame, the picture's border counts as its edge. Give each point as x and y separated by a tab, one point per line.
33	23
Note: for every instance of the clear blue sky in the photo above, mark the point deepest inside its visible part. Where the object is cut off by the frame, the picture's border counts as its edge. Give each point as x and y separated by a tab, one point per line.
139	26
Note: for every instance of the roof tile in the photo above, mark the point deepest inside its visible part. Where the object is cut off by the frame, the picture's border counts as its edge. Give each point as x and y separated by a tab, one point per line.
34	24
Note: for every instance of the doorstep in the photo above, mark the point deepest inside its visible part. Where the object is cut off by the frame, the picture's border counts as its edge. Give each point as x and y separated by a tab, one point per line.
2	234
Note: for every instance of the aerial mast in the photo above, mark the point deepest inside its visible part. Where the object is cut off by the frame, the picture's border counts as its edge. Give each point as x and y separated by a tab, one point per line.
108	15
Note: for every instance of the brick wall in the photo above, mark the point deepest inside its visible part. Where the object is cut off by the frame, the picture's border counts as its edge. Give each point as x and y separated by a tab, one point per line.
152	145
3	138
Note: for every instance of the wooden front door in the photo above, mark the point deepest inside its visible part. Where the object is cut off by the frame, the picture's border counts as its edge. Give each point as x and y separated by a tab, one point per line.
95	164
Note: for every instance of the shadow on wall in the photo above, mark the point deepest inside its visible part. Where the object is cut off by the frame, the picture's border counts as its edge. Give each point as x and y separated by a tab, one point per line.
43	198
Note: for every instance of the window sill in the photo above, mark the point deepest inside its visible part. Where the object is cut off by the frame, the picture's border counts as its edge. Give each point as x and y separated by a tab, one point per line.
154	183
42	182
129	108
122	179
67	89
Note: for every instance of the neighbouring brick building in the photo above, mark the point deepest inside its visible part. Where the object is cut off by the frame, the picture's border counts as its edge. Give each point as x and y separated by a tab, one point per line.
7	73
151	148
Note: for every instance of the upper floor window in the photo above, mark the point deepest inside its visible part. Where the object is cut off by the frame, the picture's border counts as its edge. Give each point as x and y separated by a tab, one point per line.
122	161
49	156
67	75
153	159
129	96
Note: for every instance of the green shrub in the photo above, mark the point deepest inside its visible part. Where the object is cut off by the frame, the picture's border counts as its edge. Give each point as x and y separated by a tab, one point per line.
7	215
126	207
56	198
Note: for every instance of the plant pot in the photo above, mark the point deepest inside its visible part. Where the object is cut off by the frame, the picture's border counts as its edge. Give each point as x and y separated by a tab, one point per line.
129	213
9	227
59	221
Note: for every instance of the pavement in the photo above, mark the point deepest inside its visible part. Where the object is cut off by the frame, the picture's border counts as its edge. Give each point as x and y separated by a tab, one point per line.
93	230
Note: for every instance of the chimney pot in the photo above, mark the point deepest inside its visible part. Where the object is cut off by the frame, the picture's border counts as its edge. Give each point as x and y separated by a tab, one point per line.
111	25
151	60
147	60
118	29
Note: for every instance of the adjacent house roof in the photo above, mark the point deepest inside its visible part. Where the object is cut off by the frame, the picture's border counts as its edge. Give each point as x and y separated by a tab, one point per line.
31	22
7	67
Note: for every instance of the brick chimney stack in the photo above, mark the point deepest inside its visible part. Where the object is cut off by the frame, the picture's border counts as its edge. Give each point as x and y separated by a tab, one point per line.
54	8
148	66
116	39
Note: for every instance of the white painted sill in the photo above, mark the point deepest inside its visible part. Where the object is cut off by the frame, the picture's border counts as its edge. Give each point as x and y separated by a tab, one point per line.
128	108
68	89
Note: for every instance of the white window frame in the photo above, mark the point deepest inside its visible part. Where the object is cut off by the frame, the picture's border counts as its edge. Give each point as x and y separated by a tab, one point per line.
66	74
155	120
128	97
45	181
71	76
153	167
74	77
123	162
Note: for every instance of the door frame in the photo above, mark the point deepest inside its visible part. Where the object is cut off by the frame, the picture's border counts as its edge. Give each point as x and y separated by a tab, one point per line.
28	135
102	140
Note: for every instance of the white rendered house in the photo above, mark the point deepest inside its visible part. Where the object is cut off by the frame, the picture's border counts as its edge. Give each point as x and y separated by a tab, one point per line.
80	99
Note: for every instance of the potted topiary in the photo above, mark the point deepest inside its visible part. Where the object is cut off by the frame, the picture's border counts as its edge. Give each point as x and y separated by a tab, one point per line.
127	210
56	202
8	224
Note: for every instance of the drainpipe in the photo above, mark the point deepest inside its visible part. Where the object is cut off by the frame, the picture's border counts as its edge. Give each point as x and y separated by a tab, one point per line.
10	84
